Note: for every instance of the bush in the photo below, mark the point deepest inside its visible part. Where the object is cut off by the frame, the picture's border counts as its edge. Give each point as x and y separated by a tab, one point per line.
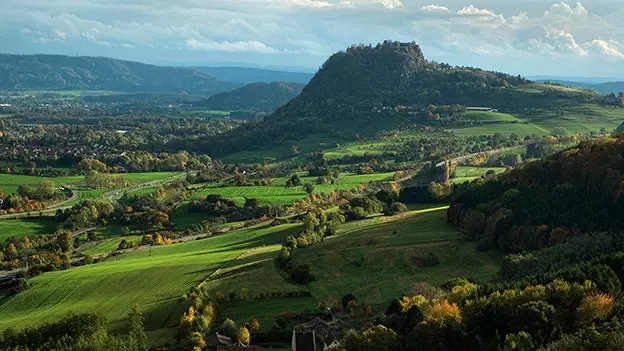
431	260
395	208
302	274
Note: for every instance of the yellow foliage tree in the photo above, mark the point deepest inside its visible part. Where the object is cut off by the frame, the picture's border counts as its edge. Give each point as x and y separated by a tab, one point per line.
460	293
442	312
27	243
244	337
11	250
159	240
594	307
408	302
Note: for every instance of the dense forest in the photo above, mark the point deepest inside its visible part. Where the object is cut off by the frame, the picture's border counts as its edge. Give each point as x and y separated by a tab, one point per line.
578	190
55	72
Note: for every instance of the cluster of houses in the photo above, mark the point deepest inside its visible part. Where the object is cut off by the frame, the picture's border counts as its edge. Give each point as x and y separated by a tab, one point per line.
315	335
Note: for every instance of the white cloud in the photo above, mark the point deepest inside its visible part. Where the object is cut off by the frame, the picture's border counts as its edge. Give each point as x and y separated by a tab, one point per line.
471	10
304	3
434	8
564	9
290	32
227	46
603	47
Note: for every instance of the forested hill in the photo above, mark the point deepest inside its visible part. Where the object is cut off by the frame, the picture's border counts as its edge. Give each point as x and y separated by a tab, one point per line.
368	89
576	191
255	96
56	72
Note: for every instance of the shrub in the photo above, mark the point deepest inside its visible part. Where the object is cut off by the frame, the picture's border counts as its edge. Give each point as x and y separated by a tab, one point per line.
431	260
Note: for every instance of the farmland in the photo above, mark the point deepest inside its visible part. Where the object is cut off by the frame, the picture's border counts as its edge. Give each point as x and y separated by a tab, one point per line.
21	227
375	259
114	286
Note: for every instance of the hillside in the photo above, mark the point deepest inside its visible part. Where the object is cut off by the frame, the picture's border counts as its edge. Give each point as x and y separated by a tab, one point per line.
603	88
56	72
255	96
247	75
365	90
575	191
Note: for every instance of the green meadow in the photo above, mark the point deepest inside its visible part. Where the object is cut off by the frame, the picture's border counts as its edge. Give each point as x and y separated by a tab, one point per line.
21	227
155	279
468	173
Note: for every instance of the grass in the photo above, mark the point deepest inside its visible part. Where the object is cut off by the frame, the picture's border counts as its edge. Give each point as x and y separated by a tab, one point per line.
10	182
109	245
522	129
21	227
279	194
491	117
468	173
114	286
375	259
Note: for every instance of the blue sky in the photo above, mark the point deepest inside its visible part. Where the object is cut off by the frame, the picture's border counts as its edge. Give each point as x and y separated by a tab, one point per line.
529	37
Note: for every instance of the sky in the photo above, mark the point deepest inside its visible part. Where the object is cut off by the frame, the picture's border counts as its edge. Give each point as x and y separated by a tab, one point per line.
528	37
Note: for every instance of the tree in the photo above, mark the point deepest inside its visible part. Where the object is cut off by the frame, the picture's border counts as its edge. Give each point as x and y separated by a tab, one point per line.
229	329
244	337
137	335
11	250
309	188
64	240
254	324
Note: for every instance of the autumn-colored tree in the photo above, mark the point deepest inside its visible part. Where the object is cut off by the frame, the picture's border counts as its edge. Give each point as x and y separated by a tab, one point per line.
27	243
442	312
254	324
243	293
244	337
159	240
594	307
408	302
11	250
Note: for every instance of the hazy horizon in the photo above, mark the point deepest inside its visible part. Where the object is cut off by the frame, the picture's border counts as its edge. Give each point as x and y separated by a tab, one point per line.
527	37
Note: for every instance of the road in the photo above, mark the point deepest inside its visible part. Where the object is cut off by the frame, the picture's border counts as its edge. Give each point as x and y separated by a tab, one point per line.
465	157
112	197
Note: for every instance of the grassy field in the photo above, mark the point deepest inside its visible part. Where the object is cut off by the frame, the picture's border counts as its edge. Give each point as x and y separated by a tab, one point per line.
467	173
376	259
278	193
109	245
522	129
379	259
20	227
10	182
490	117
114	286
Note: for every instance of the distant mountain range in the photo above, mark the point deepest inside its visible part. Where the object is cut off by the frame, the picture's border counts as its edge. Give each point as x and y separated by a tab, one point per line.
596	84
249	75
260	96
57	72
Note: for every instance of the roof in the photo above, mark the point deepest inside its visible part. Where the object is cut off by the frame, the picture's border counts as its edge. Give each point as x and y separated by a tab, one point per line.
217	339
305	341
315	324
